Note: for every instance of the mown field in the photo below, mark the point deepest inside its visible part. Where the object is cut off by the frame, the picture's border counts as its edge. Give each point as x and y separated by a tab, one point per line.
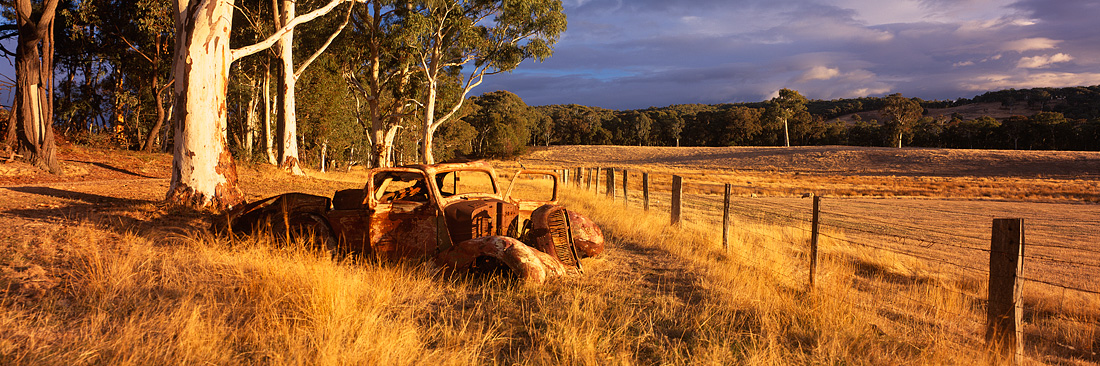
96	270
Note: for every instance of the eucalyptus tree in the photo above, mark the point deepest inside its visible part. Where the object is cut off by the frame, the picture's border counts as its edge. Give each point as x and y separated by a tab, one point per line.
784	106
381	70
470	39
148	34
287	121
900	114
503	123
203	172
667	126
32	128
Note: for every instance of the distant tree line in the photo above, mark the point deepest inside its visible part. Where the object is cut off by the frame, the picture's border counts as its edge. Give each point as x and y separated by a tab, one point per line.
1062	119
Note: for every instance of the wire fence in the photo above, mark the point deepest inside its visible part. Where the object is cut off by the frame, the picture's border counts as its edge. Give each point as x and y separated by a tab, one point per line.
916	264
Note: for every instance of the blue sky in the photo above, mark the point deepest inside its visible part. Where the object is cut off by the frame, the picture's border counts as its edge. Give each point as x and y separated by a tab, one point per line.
631	54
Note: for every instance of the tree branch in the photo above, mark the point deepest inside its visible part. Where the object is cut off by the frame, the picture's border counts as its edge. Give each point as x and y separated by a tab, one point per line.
134	47
239	53
478	75
328	42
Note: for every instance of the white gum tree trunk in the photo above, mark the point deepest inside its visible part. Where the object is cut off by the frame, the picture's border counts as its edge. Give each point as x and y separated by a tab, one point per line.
204	175
203	172
288	117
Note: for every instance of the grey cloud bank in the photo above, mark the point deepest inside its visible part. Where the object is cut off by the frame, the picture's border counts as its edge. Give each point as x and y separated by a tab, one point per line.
636	54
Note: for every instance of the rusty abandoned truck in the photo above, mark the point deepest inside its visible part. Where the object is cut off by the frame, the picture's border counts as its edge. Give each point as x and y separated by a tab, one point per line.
455	214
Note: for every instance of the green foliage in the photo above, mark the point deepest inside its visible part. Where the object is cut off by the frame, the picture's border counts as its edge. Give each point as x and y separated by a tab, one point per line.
469	40
111	57
631	128
502	123
900	113
326	114
579	125
454	140
755	124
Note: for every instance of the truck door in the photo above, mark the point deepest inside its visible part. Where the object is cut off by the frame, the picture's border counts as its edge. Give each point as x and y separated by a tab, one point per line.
403	214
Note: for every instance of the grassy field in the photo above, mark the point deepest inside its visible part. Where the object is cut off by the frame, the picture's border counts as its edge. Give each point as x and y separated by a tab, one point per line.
944	230
99	272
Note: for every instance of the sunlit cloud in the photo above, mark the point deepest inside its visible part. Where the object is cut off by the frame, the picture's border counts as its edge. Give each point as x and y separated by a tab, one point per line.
1031	44
1028	80
1044	61
819	73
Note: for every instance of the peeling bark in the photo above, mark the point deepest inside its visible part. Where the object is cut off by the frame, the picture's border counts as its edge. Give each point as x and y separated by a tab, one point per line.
203	172
34	79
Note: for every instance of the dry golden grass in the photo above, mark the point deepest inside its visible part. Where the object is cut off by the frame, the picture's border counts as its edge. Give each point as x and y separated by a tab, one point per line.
660	295
114	287
940	288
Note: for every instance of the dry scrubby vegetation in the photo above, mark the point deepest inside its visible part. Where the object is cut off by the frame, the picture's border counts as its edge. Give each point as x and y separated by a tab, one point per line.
139	284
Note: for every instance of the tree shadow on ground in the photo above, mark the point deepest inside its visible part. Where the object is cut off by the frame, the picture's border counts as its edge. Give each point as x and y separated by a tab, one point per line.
113	168
152	219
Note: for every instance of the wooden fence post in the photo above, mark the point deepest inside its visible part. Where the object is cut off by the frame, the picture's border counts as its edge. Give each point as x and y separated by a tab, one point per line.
1005	310
626	193
611	183
596	180
726	218
588	179
677	196
645	190
815	226
578	177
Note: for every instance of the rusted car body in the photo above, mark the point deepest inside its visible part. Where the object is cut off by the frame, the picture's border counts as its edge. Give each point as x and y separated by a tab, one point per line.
453	214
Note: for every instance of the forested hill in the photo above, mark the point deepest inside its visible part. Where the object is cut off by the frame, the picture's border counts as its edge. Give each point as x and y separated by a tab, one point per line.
1041	118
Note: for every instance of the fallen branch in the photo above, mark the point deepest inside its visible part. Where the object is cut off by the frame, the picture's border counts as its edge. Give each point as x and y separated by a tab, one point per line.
12	157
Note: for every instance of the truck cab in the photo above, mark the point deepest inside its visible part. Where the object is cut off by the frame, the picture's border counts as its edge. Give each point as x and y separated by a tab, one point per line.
456	215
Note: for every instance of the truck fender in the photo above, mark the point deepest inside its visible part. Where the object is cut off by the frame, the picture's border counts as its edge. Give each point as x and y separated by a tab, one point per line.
526	262
587	236
271	211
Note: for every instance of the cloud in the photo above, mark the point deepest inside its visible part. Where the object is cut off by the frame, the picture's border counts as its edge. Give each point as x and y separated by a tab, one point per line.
819	73
640	53
1031	44
1029	80
1041	62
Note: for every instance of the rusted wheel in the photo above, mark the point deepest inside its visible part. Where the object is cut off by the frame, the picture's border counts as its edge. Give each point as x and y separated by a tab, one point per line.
313	232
